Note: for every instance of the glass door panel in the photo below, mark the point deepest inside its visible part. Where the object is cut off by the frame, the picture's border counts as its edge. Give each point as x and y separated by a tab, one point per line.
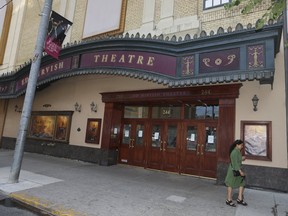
139	135
172	136
156	136
191	138
211	139
126	134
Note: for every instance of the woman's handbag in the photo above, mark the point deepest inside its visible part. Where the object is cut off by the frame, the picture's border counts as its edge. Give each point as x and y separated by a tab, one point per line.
236	172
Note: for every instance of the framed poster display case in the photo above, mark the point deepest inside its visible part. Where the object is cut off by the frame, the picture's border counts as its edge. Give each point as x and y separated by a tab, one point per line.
93	130
54	126
257	138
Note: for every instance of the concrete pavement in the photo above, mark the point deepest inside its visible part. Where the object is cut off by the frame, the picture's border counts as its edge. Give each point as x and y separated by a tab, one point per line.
73	188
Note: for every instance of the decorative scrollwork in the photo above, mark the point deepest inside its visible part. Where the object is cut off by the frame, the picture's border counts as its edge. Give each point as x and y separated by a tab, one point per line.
206	61
231	59
218	61
188	61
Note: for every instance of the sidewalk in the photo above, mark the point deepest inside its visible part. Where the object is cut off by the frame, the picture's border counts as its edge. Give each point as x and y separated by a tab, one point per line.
73	188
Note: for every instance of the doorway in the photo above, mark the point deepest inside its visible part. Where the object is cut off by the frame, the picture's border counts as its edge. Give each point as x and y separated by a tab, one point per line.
163	146
163	140
199	144
204	118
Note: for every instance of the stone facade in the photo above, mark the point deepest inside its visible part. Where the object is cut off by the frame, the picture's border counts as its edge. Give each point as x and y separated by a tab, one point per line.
186	18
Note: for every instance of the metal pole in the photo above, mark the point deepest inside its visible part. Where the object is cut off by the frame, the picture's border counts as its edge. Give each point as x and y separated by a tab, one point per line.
30	93
285	38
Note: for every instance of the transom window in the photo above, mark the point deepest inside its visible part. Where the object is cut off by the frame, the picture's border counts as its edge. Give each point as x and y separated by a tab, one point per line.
214	3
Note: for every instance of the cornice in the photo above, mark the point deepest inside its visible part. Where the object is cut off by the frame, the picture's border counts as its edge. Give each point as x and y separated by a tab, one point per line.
178	48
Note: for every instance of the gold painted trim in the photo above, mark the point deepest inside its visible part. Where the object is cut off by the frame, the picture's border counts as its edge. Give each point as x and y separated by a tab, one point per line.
5	31
122	20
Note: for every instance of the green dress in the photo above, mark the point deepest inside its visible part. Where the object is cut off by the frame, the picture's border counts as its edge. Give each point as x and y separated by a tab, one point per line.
236	162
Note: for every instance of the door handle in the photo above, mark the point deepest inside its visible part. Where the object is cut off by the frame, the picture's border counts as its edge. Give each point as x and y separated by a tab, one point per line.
164	145
202	147
198	145
132	143
161	145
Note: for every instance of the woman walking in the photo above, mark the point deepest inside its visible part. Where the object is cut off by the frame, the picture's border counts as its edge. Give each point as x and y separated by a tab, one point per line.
235	177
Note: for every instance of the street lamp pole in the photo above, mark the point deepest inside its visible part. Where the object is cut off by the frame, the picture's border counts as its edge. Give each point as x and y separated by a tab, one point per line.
285	37
30	93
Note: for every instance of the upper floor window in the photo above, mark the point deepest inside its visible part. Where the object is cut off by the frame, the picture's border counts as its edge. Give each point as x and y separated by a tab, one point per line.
214	3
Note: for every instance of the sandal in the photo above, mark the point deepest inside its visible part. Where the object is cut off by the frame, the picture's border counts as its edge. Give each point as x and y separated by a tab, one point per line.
230	203
242	202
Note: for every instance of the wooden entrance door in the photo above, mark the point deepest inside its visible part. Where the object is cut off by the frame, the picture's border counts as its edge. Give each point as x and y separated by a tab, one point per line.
132	147
198	153
163	146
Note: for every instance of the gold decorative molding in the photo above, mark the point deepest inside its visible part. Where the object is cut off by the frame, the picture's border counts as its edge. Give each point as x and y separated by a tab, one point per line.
5	30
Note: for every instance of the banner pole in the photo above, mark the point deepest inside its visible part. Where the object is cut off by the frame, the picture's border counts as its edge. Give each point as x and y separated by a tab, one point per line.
285	38
30	93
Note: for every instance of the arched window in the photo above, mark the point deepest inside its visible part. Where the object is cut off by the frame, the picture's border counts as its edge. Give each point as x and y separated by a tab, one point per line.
5	18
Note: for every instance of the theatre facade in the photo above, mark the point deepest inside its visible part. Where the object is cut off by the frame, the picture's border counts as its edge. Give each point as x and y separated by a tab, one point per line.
164	102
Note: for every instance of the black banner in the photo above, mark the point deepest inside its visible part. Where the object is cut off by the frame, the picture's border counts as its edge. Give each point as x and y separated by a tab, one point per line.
57	29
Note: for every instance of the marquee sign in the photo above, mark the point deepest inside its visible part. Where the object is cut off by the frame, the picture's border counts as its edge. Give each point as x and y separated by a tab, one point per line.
240	57
45	72
147	61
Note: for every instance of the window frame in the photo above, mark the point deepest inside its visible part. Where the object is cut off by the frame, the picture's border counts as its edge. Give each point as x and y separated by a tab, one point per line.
213	6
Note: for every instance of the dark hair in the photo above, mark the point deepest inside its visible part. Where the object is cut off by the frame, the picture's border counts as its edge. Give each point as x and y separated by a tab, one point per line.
236	142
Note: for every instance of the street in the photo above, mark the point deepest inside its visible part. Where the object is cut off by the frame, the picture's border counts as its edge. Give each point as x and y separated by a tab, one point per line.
11	208
70	187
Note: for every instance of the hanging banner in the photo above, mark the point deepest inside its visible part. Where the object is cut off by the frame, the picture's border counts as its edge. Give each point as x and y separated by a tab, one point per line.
57	29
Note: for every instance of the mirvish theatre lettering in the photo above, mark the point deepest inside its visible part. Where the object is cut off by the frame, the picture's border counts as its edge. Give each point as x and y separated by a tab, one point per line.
56	68
131	59
4	88
50	68
158	63
46	72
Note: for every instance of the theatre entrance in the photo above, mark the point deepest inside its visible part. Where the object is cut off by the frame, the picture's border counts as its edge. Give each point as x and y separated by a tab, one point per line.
182	130
163	140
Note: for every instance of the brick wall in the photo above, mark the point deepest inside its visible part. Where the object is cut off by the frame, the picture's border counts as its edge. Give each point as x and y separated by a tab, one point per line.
183	8
212	19
78	20
134	14
29	31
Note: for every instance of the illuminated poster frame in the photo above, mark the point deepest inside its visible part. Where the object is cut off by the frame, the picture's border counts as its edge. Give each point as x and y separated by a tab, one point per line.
54	126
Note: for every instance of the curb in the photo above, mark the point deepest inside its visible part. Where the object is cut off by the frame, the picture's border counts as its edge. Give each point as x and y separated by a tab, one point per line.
43	205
